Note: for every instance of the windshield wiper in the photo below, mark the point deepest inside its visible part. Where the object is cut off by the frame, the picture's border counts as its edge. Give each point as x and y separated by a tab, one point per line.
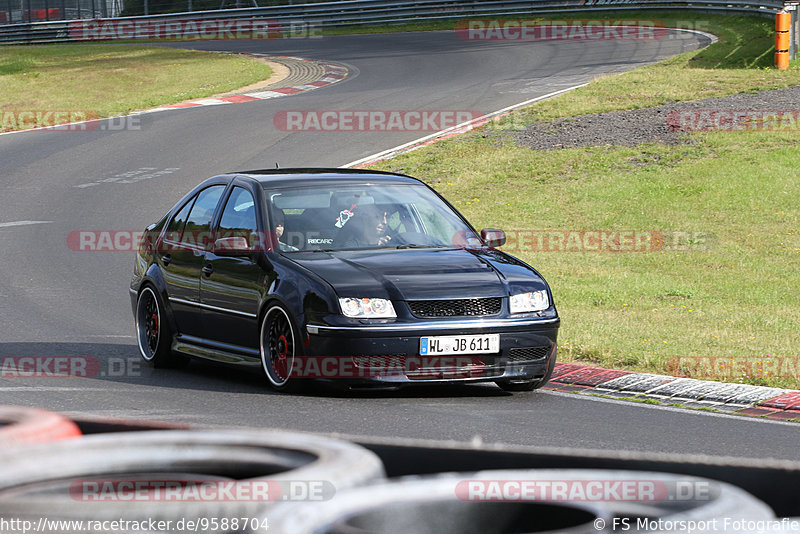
415	245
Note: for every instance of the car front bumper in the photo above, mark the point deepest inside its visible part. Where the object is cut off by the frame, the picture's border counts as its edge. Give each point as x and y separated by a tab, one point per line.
389	354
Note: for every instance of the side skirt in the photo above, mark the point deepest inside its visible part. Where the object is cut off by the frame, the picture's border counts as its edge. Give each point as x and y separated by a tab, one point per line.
219	352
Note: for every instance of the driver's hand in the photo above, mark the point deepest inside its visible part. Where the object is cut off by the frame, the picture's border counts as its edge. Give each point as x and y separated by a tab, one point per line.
384	239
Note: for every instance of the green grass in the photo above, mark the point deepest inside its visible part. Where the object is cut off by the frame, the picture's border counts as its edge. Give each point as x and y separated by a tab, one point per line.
105	81
741	61
632	399
729	293
423	26
112	80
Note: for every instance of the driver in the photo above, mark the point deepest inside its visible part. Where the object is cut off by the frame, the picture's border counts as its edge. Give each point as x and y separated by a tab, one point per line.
370	228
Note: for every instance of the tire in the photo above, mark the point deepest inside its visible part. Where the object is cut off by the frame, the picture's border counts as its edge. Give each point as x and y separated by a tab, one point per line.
530	385
465	503
278	348
69	479
153	333
20	425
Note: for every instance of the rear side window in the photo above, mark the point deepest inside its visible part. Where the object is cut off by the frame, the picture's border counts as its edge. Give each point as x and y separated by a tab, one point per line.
178	222
198	225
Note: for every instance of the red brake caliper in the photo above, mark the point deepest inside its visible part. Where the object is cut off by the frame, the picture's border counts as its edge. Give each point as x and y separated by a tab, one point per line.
280	363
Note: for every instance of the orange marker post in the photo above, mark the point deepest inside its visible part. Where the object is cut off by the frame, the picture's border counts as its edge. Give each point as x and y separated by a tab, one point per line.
783	23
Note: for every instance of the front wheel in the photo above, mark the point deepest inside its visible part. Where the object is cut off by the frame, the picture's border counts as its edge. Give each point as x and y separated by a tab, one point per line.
278	349
153	332
530	385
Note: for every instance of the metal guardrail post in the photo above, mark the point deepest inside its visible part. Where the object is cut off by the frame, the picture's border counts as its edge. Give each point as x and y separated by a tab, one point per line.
794	31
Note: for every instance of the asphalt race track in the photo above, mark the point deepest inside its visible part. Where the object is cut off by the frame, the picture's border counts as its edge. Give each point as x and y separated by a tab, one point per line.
56	302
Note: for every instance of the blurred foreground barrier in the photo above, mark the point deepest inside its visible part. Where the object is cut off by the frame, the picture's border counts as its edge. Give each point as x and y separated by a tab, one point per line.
219	481
21	425
556	501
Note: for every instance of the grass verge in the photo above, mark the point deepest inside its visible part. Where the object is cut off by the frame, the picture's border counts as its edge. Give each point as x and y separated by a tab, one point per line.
718	301
104	81
741	61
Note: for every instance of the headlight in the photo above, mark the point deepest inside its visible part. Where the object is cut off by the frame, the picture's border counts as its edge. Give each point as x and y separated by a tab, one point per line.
367	308
529	302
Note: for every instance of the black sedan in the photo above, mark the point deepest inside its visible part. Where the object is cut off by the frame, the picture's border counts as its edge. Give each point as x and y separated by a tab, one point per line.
359	278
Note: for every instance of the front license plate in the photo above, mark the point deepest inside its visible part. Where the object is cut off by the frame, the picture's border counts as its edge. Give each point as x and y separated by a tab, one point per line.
485	344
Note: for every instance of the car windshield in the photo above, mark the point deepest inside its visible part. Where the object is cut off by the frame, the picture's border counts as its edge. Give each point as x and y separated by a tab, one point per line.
347	216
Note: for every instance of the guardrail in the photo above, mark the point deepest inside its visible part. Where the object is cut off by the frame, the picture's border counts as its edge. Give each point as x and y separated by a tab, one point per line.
359	12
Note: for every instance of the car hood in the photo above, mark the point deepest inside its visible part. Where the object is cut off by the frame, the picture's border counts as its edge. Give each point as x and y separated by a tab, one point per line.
421	274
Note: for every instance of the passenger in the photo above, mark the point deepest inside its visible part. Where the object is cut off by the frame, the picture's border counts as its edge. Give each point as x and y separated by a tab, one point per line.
279	220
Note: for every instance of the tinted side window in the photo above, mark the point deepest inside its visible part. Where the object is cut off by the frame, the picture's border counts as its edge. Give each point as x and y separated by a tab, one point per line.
198	225
239	216
179	221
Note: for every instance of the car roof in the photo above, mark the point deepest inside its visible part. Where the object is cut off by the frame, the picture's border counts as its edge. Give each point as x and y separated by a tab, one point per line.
291	176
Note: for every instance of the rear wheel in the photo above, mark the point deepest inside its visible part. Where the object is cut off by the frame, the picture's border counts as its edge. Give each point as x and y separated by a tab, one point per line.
529	385
278	348
153	332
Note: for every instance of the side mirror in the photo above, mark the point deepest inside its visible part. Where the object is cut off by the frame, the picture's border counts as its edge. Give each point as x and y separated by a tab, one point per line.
493	238
232	246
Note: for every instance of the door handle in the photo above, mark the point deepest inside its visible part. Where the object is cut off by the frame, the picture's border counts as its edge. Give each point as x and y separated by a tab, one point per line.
207	270
166	259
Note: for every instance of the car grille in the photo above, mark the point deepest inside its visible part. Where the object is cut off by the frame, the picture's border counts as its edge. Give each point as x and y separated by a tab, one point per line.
527	354
456	308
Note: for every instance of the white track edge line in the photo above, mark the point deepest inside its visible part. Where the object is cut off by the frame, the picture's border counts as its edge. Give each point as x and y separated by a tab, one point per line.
387	154
483	118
